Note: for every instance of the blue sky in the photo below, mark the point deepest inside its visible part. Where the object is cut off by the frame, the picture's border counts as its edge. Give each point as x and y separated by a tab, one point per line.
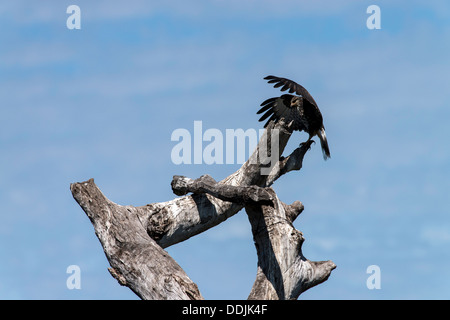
102	102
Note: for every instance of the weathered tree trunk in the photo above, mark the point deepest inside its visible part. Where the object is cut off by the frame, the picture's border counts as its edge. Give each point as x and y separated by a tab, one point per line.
133	238
136	260
283	272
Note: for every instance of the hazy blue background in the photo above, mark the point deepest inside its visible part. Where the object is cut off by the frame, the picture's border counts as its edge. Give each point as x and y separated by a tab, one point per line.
102	102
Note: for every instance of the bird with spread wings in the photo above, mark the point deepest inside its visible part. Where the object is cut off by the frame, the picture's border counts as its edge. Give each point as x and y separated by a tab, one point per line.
300	111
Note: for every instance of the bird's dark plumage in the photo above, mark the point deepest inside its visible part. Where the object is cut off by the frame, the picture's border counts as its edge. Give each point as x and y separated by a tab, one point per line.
301	110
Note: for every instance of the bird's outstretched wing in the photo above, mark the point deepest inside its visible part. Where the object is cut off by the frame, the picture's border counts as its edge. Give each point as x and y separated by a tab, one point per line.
279	107
292	86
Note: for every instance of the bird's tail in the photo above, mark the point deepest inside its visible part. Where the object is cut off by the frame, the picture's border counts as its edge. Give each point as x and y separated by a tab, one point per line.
324	143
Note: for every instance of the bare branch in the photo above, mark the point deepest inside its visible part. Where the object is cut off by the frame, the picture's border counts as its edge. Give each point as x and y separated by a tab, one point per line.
283	271
179	219
292	162
206	184
133	238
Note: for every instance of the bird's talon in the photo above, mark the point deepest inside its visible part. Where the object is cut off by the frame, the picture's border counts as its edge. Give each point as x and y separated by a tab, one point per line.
307	144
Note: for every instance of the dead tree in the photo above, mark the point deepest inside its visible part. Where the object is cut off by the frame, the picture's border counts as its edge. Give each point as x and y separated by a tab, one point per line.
134	238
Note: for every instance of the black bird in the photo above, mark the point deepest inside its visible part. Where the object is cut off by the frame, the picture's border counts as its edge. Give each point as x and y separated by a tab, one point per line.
300	110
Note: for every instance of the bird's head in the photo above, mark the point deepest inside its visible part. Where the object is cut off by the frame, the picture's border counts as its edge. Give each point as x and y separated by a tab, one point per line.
295	102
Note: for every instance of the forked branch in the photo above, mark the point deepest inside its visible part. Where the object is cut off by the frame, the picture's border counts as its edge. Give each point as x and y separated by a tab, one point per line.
283	272
133	238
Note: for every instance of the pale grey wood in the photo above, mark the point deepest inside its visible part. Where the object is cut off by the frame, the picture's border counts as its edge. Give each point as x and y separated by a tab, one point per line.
179	219
136	260
133	238
207	185
283	271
